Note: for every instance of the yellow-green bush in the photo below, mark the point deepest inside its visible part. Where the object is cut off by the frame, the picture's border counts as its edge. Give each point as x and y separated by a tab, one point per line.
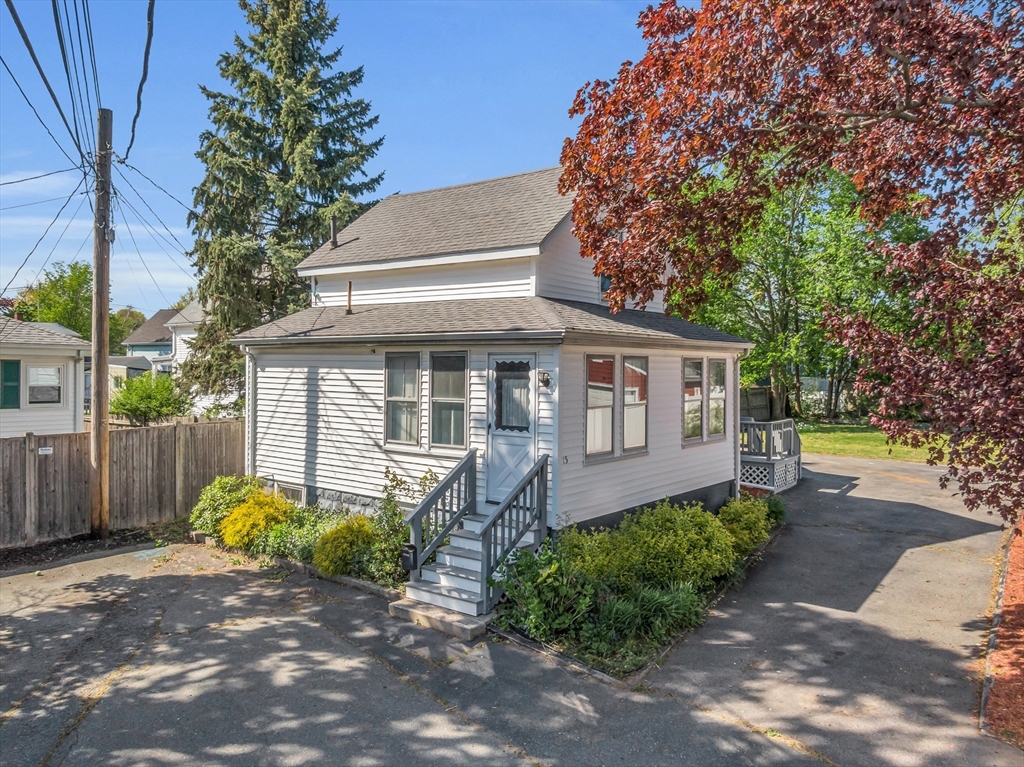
657	547
342	550
244	526
746	520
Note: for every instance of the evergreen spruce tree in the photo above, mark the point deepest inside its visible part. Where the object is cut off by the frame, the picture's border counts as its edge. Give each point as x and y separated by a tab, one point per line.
286	151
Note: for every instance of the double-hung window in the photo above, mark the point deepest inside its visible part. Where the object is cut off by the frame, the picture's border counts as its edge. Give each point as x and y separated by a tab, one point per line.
401	393
634	403
693	399
44	385
448	400
600	405
716	399
10	384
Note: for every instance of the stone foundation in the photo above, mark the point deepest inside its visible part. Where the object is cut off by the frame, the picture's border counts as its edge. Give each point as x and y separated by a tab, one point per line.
339	500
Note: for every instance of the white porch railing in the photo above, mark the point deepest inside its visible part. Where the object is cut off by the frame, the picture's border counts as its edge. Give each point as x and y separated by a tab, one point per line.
769	454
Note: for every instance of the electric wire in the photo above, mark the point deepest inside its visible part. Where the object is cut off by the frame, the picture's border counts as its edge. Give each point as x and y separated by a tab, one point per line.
37	202
150	208
81	54
41	238
59	238
145	74
151	230
40	119
39	68
67	71
33	178
92	53
139	252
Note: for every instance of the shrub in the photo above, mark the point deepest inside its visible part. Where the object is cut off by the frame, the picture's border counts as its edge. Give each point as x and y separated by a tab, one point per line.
341	551
656	547
649	614
248	523
390	533
150	397
296	538
546	596
220	498
776	510
746	520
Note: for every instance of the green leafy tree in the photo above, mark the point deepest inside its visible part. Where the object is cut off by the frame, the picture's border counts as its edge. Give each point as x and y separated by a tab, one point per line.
286	151
64	295
147	398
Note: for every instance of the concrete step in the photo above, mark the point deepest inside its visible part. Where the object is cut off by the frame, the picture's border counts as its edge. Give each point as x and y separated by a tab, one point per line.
454	577
459	600
465	627
453	556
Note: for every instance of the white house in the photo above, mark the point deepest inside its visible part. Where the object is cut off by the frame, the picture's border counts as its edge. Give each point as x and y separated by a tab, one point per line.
152	339
459	330
42	378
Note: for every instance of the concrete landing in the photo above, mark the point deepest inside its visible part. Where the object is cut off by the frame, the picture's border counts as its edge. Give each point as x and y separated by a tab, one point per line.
464	627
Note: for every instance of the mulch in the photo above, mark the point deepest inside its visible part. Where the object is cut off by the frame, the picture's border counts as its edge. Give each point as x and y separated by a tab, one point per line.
1004	711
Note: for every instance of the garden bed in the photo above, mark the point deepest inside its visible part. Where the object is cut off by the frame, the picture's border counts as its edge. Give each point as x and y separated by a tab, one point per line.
1003	697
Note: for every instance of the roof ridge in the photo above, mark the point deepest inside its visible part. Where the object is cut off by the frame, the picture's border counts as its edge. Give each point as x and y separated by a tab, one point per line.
472	183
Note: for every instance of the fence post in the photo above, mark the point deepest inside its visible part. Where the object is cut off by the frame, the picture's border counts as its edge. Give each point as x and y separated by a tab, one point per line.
179	470
31	490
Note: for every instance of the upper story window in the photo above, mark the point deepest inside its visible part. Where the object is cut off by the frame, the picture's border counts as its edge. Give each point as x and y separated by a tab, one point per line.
634	403
44	385
600	404
401	392
606	284
716	398
448	400
10	384
693	399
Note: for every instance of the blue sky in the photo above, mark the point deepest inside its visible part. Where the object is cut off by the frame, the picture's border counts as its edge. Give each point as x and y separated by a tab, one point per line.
464	90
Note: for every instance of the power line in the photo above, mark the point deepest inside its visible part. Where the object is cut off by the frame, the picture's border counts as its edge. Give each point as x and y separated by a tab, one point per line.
37	202
151	230
36	113
67	74
47	231
137	250
150	208
59	238
92	52
41	175
186	207
39	68
145	74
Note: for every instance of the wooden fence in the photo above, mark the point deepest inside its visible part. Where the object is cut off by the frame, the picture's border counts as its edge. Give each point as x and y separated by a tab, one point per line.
156	475
755	402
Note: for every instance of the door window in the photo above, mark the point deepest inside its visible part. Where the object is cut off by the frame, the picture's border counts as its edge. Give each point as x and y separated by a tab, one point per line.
512	396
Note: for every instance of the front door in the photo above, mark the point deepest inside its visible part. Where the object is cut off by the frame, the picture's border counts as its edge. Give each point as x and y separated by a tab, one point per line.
512	422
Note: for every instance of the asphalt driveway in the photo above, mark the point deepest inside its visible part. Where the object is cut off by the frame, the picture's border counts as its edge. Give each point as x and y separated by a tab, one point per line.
852	643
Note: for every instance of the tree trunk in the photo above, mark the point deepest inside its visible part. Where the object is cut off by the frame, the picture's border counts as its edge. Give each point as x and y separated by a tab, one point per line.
778	394
798	405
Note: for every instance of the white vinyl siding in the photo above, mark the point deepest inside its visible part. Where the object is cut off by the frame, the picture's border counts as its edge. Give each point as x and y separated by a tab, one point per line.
562	273
320	418
61	417
588	489
507	278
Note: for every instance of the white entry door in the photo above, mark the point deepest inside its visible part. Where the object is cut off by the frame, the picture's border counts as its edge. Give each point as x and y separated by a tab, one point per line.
512	421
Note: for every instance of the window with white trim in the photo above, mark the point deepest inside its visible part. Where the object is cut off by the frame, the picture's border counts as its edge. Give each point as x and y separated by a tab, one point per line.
448	400
600	404
634	403
44	385
716	399
401	398
693	399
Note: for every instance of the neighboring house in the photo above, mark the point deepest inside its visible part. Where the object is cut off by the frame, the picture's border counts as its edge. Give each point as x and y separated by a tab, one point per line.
182	326
42	378
478	345
152	339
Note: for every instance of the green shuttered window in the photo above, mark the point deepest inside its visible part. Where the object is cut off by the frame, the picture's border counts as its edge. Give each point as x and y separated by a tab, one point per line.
10	375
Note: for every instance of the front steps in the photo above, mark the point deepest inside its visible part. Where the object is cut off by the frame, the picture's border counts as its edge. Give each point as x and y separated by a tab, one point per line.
453	581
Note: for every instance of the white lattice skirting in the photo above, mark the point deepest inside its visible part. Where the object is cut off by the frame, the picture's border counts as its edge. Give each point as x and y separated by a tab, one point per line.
775	475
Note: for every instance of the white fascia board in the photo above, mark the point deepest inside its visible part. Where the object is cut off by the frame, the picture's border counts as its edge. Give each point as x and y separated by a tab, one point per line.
13	350
409	263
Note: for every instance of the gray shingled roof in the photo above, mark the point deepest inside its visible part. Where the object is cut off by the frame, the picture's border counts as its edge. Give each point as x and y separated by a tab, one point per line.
154	330
190	315
509	212
483	318
14	331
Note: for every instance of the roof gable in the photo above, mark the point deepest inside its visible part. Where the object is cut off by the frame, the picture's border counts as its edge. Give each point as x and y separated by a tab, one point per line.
14	331
509	212
152	331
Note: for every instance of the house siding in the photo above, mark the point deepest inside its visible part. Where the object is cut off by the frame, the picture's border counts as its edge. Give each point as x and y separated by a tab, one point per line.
319	417
563	273
506	278
589	489
46	419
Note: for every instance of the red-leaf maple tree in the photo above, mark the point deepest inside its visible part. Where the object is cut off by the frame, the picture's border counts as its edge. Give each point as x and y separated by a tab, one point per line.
920	103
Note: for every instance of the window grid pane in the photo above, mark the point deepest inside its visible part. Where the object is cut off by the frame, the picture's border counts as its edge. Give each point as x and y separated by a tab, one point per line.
634	409
448	400
44	386
600	401
401	406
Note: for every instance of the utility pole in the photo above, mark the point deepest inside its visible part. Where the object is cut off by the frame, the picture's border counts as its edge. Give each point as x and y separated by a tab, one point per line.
103	235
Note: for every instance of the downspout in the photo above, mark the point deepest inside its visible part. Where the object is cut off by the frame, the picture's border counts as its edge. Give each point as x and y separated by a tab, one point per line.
250	411
736	419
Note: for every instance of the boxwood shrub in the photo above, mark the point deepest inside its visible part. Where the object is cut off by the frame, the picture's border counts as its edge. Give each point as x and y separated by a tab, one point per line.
342	550
244	527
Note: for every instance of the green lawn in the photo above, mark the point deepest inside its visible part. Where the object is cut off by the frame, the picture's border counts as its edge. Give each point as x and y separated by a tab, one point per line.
858	441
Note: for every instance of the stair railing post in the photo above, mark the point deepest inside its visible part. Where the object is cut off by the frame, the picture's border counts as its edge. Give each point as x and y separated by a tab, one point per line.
416	533
542	502
471	486
485	568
